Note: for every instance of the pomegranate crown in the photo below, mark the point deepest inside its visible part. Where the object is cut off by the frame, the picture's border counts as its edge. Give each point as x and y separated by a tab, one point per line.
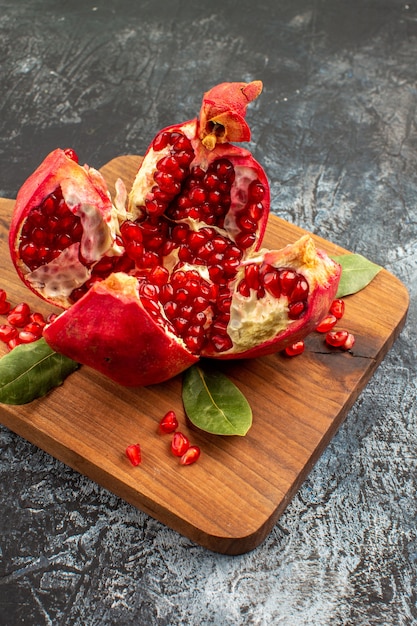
223	111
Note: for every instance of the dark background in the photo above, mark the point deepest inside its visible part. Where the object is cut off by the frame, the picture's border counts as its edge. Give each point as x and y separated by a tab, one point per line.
335	129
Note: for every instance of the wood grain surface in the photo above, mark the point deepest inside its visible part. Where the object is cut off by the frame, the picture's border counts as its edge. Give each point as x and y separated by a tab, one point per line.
229	500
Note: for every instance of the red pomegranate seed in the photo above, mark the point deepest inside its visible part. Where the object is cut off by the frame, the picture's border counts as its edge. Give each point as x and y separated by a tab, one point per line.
169	422
190	456
15	341
37	318
300	290
19	315
327	324
349	343
296	348
337	308
5	307
27	337
133	453
288	278
272	282
3	295
34	328
296	310
252	276
179	444
7	332
336	338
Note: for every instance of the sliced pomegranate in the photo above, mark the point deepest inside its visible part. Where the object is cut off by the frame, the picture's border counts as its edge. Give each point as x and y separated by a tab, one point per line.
63	224
180	273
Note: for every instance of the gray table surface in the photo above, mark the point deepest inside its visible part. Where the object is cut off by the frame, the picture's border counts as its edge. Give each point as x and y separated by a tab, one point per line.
335	129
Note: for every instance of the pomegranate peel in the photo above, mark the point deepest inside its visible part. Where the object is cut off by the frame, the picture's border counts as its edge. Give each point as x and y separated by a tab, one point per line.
109	330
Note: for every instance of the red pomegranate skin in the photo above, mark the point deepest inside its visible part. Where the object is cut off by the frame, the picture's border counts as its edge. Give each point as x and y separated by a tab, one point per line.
110	331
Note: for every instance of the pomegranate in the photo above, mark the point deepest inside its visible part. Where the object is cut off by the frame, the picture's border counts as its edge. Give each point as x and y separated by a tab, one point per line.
179	273
63	225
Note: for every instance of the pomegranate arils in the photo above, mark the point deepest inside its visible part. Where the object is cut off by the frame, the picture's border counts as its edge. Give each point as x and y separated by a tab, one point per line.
190	456
8	332
169	422
337	308
327	323
39	243
19	315
5	307
295	349
179	444
349	343
133	453
336	338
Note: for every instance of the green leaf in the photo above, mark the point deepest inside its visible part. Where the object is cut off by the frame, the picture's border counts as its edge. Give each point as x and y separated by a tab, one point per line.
214	404
30	370
357	273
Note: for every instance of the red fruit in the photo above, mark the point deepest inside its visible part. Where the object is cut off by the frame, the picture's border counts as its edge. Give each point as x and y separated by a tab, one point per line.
295	349
169	422
337	308
349	343
3	295
19	315
191	455
8	332
327	323
337	338
133	453
179	444
4	307
179	275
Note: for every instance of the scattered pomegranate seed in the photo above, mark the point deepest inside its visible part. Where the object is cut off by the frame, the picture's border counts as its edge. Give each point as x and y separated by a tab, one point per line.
169	422
13	343
337	338
337	308
179	444
191	455
5	307
133	453
19	315
7	332
349	343
296	348
327	323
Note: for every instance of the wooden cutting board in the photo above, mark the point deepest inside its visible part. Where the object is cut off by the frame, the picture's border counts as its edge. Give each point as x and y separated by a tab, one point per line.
229	500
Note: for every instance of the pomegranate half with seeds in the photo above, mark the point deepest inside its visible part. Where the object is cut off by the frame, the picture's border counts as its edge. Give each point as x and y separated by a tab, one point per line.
173	271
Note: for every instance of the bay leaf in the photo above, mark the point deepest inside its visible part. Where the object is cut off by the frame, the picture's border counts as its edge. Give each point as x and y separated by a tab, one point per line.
357	273
30	370
213	403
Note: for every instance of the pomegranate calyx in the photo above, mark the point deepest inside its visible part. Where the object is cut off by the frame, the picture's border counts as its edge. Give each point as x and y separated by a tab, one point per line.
223	110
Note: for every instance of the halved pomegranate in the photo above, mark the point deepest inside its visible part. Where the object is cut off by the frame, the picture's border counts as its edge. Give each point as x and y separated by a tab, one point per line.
179	274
